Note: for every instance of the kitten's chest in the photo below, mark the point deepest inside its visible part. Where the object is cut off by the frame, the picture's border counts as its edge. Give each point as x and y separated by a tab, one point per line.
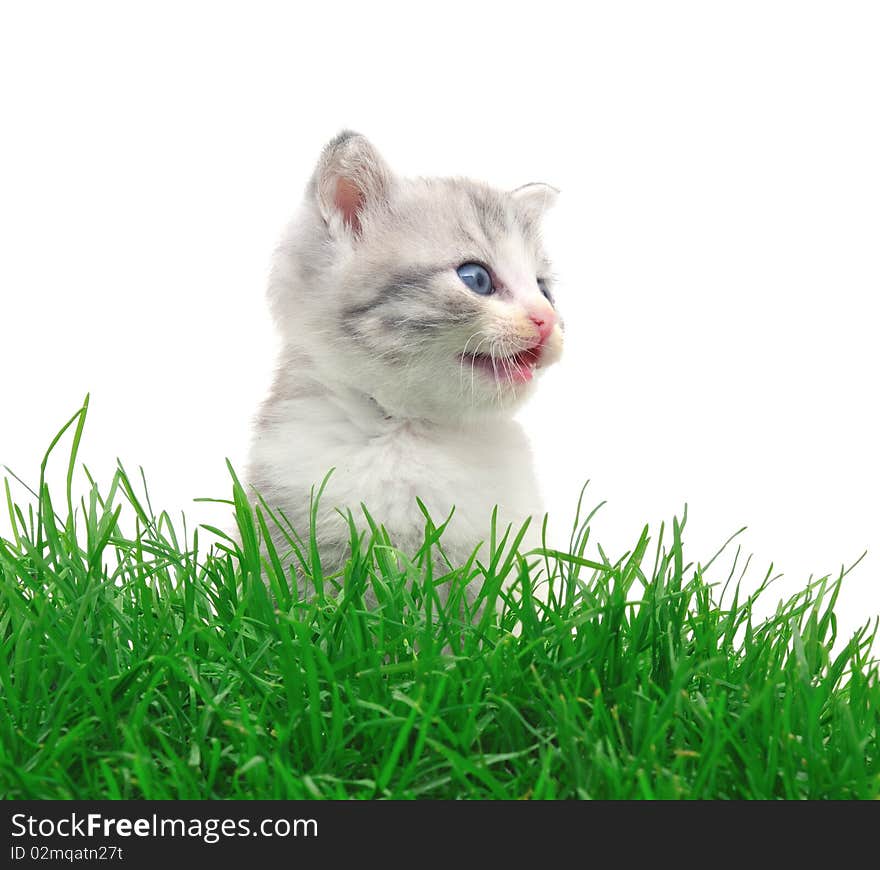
420	460
388	465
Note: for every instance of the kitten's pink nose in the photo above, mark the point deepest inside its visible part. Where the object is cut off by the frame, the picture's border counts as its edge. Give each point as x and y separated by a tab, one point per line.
545	320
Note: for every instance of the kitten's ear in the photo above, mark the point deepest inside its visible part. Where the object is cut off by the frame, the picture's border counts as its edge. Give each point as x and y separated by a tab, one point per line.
535	198
351	178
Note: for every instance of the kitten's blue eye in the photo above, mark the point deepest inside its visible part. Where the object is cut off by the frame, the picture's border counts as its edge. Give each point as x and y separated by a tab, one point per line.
476	278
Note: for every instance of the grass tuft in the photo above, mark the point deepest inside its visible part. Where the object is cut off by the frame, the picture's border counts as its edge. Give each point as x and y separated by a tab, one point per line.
135	664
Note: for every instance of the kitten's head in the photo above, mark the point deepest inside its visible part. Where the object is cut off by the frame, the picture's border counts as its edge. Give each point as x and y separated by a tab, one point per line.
431	295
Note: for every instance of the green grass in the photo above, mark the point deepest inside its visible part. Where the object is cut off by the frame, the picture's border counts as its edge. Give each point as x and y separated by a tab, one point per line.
137	664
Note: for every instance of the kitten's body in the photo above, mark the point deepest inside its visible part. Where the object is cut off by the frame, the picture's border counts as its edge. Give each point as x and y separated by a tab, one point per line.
386	462
392	371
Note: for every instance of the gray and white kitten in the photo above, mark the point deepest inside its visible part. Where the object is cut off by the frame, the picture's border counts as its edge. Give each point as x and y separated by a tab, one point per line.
413	314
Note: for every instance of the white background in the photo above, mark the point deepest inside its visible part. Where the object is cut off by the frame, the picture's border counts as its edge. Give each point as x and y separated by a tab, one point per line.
716	241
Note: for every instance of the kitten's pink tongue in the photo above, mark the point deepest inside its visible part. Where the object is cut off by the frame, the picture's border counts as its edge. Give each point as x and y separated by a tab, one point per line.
524	364
517	369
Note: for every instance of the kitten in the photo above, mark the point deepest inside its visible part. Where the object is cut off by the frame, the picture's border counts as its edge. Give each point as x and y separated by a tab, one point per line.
413	314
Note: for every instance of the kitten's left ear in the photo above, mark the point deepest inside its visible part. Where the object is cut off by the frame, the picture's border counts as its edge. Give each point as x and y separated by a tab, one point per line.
351	179
535	198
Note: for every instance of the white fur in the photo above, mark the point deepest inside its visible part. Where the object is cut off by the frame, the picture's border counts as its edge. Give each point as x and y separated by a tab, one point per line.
387	464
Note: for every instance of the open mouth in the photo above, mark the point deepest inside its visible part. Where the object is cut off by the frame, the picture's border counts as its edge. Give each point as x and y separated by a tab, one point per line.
518	368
